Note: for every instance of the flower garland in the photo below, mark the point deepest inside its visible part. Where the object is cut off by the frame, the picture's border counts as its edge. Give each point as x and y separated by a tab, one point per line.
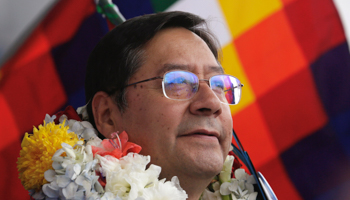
64	159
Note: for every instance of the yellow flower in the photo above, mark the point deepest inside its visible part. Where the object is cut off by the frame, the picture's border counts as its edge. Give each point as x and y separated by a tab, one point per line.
37	151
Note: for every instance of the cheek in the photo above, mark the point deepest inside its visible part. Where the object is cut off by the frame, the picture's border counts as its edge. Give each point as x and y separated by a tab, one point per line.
166	118
151	109
228	124
227	117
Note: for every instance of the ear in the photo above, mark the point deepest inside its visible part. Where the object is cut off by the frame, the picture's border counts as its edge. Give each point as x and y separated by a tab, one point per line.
106	114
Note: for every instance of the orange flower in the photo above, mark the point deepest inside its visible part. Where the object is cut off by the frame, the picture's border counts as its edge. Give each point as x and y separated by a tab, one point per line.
114	148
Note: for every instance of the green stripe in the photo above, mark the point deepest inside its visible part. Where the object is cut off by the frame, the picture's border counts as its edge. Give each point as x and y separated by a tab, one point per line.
161	5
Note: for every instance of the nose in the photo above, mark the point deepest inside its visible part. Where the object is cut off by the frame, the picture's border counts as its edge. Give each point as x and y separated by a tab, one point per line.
205	102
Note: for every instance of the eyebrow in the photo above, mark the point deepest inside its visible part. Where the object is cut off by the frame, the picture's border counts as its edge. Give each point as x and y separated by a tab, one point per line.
169	67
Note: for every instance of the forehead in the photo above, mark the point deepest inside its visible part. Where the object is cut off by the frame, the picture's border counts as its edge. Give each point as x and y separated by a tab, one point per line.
179	49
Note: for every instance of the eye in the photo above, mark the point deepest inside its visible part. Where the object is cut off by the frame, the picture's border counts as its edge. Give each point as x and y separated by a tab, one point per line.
217	85
179	80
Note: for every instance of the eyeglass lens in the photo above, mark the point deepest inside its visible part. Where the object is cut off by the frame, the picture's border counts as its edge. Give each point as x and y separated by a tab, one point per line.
183	85
180	85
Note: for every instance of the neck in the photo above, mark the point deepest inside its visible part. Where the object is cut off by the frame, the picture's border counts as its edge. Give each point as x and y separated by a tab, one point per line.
194	186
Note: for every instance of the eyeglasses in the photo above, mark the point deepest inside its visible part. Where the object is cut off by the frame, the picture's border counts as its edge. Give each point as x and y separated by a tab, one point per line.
183	85
264	188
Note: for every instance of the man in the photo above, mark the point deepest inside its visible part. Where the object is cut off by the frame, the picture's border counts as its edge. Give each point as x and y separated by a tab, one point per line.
141	78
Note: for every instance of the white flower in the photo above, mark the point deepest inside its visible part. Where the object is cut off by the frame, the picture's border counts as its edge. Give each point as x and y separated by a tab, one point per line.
110	196
208	195
240	187
225	174
83	129
169	190
83	111
36	194
96	142
74	175
129	179
49	119
128	176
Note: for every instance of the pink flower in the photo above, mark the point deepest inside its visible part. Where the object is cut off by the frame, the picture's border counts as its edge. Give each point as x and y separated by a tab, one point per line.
113	148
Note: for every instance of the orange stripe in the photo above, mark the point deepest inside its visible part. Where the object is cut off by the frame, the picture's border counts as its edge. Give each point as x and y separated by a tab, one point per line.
269	53
254	135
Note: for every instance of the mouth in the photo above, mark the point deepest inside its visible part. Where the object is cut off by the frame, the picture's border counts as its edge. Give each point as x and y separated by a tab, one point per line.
202	133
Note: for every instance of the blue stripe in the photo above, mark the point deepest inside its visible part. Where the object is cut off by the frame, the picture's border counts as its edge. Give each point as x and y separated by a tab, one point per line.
133	8
341	125
71	57
339	192
331	73
317	164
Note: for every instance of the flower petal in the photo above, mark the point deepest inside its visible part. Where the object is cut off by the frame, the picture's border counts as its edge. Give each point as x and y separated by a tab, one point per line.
49	119
56	165
48	191
224	188
63	181
89	133
251	179
77	127
69	150
249	187
70	190
72	171
38	195
49	175
240	174
77	169
234	185
253	196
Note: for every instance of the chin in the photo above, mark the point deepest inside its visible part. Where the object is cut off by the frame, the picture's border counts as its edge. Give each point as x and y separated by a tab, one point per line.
208	166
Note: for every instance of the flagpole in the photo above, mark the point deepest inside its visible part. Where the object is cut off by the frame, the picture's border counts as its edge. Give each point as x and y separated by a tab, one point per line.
110	11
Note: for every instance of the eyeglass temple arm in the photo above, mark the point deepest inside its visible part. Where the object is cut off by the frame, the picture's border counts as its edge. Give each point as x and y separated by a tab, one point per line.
150	79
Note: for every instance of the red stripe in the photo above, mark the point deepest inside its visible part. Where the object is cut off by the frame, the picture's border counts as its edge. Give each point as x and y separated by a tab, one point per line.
64	20
316	26
10	186
33	91
293	110
30	86
278	179
29	78
9	131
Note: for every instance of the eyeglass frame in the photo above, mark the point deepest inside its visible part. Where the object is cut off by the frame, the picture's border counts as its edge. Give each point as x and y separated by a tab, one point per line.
206	80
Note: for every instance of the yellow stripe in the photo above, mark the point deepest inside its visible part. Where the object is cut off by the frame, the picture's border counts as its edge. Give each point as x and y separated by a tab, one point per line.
243	14
233	66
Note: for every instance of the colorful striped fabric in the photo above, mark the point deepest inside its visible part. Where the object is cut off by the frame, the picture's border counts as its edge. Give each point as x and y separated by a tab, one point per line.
291	56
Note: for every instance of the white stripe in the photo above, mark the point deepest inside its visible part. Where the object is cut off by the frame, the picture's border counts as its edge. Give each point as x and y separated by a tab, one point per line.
209	10
343	7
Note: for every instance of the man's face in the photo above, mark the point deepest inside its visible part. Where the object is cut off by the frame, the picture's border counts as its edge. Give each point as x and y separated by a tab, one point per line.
190	137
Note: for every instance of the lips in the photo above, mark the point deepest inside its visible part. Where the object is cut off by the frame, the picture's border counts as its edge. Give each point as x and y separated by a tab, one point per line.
203	132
